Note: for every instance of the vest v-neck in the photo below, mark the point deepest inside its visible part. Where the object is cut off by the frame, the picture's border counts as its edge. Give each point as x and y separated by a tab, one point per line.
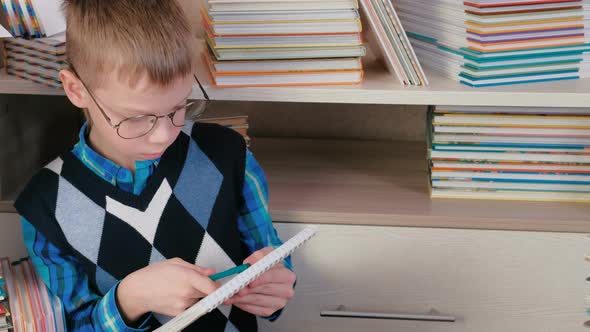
169	168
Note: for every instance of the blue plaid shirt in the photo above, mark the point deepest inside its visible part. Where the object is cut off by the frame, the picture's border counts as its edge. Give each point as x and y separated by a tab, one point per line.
88	311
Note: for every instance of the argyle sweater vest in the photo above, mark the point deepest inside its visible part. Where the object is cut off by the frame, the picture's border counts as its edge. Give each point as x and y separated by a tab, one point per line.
188	209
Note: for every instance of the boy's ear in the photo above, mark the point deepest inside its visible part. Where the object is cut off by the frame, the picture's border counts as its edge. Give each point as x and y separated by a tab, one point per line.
74	88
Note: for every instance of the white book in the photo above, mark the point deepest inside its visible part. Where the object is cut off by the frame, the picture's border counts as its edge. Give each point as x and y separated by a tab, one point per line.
506	2
524	44
344	26
288	65
290	15
521	27
290	53
541	34
325	78
528	79
548	132
45	45
511	185
510	195
519	7
470	138
529	60
258	5
516	120
530	52
523	18
353	39
530	167
34	61
377	33
513	110
454	175
394	40
33	77
511	156
484	72
483	148
33	69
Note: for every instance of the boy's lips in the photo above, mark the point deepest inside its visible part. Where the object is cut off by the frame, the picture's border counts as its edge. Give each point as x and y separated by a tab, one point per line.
152	155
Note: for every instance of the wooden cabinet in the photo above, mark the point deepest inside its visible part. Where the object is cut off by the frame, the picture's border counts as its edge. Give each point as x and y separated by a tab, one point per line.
487	280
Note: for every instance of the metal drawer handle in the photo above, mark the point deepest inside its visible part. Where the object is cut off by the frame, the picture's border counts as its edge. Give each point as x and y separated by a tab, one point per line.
341	312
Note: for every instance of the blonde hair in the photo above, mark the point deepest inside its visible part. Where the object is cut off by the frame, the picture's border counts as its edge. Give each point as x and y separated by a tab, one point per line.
130	37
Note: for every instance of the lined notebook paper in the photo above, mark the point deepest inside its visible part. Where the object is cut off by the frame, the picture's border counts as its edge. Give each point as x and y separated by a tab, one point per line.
226	291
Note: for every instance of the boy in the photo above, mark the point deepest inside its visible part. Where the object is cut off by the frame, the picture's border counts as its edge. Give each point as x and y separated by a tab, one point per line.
127	227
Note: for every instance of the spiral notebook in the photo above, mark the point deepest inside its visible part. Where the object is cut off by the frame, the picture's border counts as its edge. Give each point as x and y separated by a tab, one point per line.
215	299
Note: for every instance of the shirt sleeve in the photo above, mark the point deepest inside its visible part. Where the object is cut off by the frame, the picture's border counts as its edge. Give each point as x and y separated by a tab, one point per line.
84	309
254	222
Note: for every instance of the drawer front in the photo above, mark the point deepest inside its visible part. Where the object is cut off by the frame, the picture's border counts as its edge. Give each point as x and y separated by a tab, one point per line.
11	238
486	280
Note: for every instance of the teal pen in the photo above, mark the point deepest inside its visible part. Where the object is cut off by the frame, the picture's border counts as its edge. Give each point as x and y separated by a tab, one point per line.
229	272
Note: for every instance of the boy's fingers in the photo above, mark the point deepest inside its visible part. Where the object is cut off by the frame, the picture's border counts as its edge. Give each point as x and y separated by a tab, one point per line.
197	268
202	283
278	290
257	310
258	255
277	275
261	300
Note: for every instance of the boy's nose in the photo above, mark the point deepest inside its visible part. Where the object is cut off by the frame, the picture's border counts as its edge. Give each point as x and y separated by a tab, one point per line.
162	131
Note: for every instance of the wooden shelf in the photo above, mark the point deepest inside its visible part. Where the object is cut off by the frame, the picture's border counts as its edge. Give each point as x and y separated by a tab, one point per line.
381	88
14	85
386	183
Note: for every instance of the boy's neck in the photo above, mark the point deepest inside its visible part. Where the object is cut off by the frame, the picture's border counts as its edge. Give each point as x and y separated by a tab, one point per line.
95	143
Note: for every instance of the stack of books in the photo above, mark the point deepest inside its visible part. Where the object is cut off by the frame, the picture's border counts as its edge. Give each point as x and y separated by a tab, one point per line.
497	42
238	123
35	47
38	60
283	42
512	153
32	307
5	318
394	47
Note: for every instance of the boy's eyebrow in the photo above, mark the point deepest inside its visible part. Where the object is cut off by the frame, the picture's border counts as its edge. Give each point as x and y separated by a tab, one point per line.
178	105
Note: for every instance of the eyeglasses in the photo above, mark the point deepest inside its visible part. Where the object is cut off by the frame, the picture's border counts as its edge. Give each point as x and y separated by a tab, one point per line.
141	125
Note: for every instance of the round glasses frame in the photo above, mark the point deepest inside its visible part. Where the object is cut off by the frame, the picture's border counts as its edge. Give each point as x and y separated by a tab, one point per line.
188	108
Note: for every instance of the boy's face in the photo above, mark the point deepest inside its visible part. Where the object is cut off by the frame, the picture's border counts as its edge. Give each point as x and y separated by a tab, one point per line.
119	101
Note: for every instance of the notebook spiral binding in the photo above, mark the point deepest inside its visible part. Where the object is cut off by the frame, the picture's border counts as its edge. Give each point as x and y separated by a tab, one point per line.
215	299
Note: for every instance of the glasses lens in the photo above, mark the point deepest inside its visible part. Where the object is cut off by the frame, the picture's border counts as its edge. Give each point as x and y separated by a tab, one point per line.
136	127
178	117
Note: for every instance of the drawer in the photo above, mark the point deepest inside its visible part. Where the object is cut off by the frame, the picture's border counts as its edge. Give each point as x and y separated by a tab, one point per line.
487	280
11	238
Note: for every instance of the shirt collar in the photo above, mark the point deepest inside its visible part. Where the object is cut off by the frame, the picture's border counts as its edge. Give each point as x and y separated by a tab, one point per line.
104	167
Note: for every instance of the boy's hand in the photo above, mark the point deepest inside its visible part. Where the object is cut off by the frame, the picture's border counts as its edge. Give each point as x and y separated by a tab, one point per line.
267	294
167	287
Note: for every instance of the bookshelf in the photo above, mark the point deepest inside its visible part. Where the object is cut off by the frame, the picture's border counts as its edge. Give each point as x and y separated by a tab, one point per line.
386	183
381	183
379	87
